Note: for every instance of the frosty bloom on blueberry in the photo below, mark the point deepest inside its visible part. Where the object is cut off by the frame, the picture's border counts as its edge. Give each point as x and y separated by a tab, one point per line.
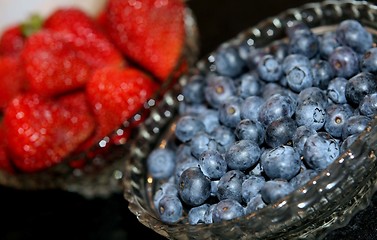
267	120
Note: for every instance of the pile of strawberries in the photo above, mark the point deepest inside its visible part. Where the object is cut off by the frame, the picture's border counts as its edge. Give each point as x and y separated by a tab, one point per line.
70	79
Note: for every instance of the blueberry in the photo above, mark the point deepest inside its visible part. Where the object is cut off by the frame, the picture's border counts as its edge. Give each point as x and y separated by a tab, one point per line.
280	131
282	162
274	190
242	155
299	78
196	214
194	187
336	90
279	50
212	164
306	44
230	112
218	90
310	114
185	163
368	62
251	187
283	81
354	125
302	178
214	184
250	107
210	119
202	142
295	60
300	136
227	209
271	89
187	126
320	151
250	85
166	189
269	69
257	170
191	108
255	56
228	61
161	163
327	44
182	151
336	118
322	73
230	186
208	214
244	49
314	94
248	129
344	61
170	209
224	136
359	86
275	107
368	106
254	204
351	33
194	89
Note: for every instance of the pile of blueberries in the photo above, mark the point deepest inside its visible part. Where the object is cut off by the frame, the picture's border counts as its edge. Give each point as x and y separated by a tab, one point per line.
264	121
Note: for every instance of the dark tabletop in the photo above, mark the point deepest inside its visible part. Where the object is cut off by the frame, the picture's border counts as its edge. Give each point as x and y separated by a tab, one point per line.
56	214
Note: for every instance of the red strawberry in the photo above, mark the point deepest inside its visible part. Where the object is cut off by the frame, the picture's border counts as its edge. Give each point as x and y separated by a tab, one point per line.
41	132
150	32
12	79
12	41
91	43
115	95
53	65
13	38
5	163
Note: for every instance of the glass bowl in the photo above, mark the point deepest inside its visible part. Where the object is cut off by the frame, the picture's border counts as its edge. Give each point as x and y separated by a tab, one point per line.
326	202
98	172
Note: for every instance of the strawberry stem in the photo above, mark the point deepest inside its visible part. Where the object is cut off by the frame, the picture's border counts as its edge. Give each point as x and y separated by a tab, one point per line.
33	24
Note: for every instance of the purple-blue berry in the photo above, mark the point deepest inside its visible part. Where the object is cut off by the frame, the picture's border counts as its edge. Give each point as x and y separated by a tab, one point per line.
242	155
194	187
282	162
227	209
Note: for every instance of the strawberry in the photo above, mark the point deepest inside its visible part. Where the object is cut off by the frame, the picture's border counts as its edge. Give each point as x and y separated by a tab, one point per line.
12	41
12	79
52	64
115	95
13	38
5	163
41	132
92	44
149	32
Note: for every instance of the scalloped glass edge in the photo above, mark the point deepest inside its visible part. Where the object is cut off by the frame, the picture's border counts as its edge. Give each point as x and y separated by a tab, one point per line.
325	203
105	170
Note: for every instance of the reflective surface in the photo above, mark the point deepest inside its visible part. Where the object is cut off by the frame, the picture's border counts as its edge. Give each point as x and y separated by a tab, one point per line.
327	202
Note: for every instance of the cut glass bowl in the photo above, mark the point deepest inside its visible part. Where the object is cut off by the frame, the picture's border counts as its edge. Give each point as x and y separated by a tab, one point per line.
325	203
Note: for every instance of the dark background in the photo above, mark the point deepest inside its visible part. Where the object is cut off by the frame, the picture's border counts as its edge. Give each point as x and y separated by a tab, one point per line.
61	215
